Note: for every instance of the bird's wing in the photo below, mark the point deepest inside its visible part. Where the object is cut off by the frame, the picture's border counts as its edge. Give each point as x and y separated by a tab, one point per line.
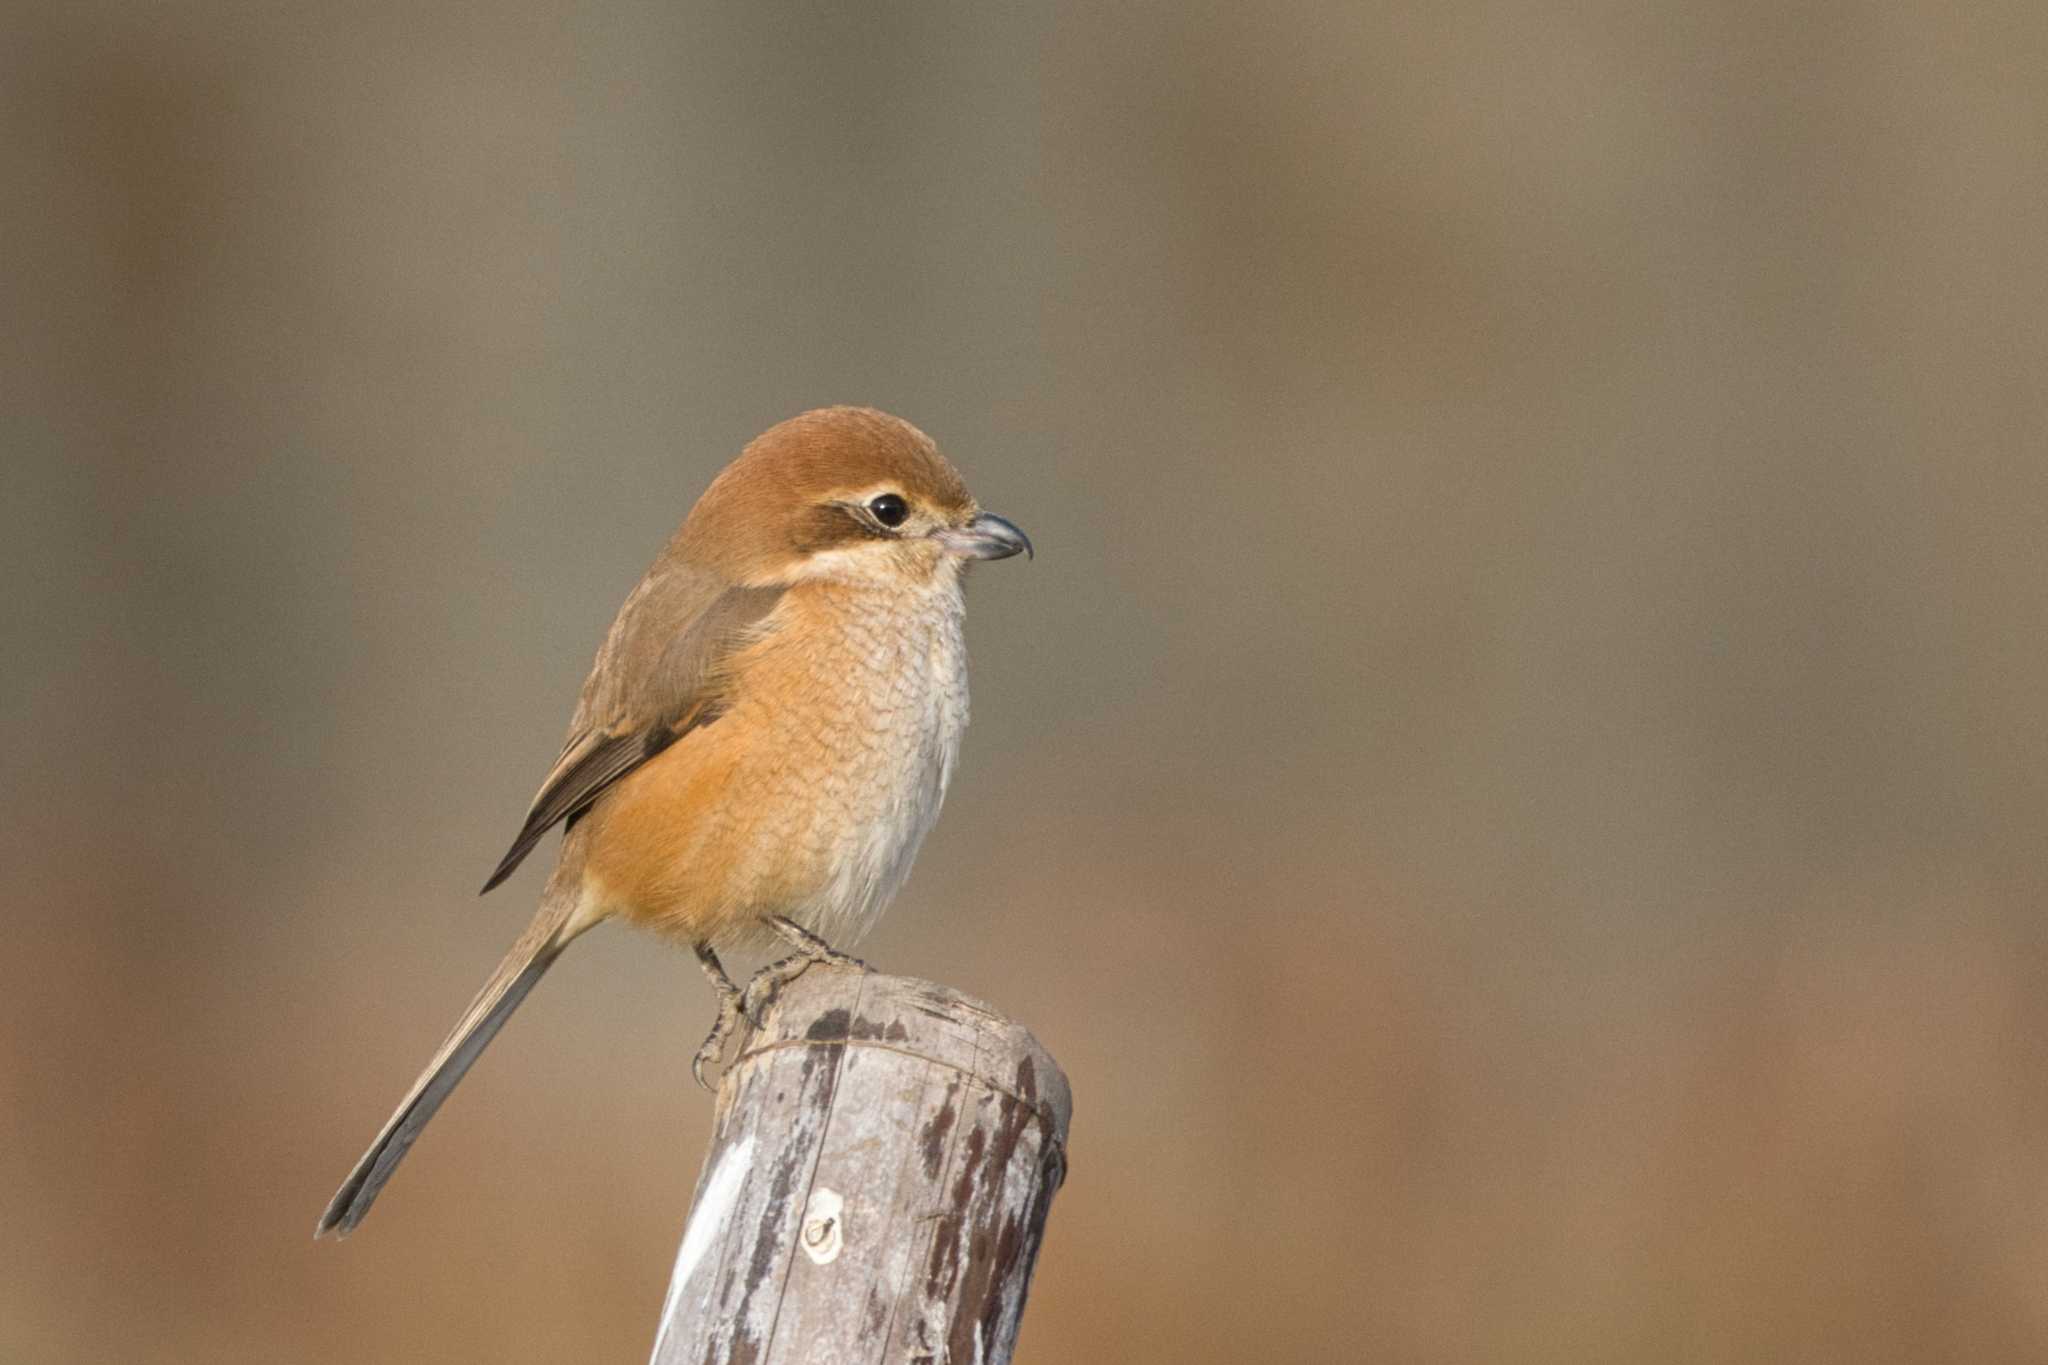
660	674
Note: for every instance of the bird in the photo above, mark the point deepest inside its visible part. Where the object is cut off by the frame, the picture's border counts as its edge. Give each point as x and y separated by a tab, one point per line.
764	739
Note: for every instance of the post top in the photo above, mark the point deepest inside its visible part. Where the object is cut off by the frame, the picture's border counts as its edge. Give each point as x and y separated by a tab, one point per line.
834	1007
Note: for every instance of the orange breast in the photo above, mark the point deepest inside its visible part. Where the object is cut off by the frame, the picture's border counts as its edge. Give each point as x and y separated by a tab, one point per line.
660	820
809	795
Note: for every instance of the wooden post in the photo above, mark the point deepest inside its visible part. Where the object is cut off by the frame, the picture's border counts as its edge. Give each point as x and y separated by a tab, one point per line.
884	1154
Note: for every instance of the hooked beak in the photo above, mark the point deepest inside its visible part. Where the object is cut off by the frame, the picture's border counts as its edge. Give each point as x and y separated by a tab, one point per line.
988	536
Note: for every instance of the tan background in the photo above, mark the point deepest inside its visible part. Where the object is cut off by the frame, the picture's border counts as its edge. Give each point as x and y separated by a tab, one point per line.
1514	784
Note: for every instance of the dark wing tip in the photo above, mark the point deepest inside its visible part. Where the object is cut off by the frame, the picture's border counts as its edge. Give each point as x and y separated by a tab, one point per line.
514	856
583	781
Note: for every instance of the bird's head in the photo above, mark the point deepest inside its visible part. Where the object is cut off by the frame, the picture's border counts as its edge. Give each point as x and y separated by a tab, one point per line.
847	494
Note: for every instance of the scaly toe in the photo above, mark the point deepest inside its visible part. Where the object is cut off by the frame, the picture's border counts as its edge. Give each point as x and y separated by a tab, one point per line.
713	1049
766	984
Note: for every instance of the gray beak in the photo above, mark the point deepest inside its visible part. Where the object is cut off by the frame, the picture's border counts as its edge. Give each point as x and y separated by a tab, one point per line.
988	536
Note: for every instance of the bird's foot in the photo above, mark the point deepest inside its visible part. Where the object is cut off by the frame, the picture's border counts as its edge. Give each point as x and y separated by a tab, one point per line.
713	1050
811	951
729	1007
766	984
810	947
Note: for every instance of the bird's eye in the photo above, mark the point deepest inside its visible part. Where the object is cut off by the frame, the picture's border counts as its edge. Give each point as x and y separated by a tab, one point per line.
889	509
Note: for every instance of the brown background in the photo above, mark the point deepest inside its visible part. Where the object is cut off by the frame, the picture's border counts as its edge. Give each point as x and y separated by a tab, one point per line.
1513	785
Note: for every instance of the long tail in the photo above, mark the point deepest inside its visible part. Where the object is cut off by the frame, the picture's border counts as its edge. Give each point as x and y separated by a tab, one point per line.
530	957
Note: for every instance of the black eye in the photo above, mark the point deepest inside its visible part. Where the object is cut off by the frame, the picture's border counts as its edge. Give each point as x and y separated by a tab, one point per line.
889	509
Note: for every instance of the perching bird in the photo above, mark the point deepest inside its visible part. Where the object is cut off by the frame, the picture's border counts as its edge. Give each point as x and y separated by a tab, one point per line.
765	737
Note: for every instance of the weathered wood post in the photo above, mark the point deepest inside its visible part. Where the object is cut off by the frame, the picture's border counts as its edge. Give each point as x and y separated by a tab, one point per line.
883	1157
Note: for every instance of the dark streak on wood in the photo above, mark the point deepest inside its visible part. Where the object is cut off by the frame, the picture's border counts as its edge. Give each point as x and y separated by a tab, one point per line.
934	1135
831	1025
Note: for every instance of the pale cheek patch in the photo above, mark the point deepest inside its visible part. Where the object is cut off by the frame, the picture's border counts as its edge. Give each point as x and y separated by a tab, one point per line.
853	561
883	562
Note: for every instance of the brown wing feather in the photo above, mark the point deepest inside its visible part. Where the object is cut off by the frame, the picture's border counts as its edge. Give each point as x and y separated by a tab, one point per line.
657	677
595	766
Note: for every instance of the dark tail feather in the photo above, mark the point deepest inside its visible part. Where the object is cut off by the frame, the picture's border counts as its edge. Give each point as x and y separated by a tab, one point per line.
529	959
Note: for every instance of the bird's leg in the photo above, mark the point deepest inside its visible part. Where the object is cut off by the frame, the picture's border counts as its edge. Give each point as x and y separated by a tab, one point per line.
810	950
809	945
729	1002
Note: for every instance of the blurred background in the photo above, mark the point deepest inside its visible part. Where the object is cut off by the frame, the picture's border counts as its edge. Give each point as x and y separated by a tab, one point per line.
1513	785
